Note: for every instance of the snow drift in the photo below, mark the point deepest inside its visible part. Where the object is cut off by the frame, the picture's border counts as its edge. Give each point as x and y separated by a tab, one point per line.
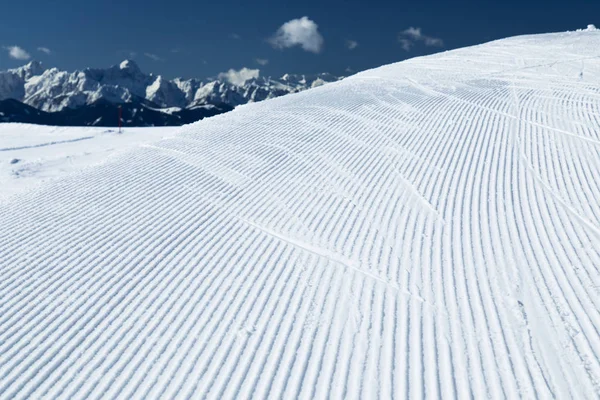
425	229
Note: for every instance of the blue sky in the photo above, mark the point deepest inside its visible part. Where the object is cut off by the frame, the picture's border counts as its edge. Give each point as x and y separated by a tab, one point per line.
203	38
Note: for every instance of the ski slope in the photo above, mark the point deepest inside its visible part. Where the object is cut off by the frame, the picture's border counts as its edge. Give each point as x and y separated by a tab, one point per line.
426	229
33	154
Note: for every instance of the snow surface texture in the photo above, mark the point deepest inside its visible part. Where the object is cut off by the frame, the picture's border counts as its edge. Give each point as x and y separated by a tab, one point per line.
33	154
425	229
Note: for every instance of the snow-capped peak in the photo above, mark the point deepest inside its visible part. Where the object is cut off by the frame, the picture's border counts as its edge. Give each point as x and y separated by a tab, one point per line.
33	68
129	64
54	90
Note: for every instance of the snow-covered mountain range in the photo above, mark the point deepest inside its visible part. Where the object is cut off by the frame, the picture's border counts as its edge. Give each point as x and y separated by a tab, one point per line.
52	90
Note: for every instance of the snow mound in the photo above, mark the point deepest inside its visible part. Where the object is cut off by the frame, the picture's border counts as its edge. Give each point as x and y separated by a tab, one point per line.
424	229
590	28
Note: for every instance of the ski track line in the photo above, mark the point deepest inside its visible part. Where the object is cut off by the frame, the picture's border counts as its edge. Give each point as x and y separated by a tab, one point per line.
33	146
427	229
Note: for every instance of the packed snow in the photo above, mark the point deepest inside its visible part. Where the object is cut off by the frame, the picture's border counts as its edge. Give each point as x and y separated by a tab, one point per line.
429	228
31	155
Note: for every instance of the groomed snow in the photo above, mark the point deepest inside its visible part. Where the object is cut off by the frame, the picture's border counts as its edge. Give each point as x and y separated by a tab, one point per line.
425	229
33	154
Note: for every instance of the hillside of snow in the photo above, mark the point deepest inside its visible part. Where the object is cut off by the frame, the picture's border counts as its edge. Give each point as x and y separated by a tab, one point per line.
34	154
429	228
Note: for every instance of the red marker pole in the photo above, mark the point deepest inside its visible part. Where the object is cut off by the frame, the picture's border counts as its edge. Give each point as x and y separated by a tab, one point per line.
120	118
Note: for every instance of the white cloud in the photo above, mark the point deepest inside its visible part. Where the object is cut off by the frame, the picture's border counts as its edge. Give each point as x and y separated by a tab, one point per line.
127	53
17	53
405	43
262	61
235	36
239	77
412	32
412	35
153	57
44	50
298	32
351	44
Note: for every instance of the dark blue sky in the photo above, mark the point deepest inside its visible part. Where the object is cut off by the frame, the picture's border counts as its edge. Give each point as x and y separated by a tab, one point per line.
202	38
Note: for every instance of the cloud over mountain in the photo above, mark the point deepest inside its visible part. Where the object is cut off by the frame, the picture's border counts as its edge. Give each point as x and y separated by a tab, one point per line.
153	56
412	35
17	53
302	32
239	77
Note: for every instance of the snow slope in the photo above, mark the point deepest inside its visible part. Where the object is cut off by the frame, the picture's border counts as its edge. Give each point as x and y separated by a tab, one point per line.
33	154
425	229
